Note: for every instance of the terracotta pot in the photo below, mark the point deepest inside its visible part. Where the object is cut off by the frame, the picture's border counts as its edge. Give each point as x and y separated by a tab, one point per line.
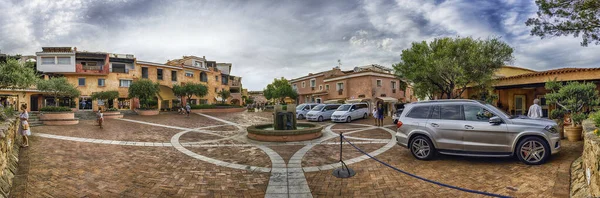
573	133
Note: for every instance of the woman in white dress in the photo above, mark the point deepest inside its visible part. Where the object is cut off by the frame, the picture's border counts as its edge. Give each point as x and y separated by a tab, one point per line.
24	129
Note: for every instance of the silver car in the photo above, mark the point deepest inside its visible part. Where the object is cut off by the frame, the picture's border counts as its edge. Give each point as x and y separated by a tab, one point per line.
303	109
474	128
321	112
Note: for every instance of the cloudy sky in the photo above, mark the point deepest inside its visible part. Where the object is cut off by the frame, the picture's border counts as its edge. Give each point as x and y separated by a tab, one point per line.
270	39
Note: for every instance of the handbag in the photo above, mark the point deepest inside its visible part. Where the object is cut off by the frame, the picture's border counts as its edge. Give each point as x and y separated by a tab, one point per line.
25	125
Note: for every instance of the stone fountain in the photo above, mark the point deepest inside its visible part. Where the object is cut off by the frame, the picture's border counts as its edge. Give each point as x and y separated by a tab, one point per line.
284	128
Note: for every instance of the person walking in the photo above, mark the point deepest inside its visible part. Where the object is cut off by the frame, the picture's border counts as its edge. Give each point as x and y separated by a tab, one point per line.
380	115
535	111
100	117
24	129
374	113
188	109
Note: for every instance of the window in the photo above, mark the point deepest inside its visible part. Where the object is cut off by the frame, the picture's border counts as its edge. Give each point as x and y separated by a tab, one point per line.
435	113
217	78
124	103
451	112
81	81
159	74
118	68
340	86
378	83
327	87
144	72
313	83
64	60
203	101
295	87
393	84
48	61
101	82
203	77
174	76
189	73
475	113
193	101
318	100
419	112
124	83
198	64
320	87
303	84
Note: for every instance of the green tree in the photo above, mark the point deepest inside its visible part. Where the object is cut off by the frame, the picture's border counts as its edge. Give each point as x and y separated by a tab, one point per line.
565	17
447	66
105	95
58	88
572	98
224	94
14	75
190	89
279	89
145	90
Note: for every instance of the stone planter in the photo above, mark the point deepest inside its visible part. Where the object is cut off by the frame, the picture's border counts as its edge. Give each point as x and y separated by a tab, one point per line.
147	112
112	114
219	110
573	133
58	118
585	172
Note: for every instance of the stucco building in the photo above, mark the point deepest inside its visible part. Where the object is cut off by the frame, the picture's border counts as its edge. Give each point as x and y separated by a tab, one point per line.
371	83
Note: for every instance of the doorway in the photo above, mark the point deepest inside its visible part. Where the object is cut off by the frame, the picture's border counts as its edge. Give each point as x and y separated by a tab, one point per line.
34	103
520	104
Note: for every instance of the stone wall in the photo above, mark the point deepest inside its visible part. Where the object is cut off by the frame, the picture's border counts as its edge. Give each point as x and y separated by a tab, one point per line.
9	152
586	176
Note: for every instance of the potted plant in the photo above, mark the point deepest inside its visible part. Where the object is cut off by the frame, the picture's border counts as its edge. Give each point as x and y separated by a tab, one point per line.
558	116
573	98
58	88
145	90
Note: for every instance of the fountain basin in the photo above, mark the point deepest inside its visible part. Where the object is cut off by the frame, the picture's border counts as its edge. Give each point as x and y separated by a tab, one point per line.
265	132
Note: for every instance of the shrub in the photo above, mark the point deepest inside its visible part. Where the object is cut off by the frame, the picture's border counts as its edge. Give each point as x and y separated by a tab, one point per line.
55	109
596	118
112	109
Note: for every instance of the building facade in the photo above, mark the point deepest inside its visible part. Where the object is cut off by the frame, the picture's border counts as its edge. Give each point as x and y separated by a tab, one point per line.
94	72
372	84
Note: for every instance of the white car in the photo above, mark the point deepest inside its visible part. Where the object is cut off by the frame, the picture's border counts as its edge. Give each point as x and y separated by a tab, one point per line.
349	112
321	112
303	109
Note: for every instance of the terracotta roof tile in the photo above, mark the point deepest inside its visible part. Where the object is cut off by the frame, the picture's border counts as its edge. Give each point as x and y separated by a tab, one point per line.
550	72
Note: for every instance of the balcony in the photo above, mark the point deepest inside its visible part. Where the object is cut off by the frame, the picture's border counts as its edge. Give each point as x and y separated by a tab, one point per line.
91	67
234	84
93	70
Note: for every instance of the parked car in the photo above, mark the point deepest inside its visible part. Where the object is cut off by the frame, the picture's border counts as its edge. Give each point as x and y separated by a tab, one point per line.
398	112
304	108
321	112
349	112
474	128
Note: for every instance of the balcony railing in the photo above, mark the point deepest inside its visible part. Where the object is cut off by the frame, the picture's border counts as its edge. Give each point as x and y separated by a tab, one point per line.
234	84
91	67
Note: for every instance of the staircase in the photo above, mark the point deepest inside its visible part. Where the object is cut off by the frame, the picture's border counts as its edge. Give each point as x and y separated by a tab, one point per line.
34	119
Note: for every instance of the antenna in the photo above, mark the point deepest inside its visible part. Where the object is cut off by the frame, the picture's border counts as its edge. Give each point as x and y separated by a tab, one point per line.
339	63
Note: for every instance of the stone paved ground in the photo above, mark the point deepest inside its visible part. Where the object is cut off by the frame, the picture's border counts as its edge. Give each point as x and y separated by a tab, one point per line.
208	156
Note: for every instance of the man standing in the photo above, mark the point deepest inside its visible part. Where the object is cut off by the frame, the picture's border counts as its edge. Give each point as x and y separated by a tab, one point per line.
535	111
188	109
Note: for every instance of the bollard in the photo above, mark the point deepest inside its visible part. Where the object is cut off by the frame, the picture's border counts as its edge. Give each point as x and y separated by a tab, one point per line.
344	171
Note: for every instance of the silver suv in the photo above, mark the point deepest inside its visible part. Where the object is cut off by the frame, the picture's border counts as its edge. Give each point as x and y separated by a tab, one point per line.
474	128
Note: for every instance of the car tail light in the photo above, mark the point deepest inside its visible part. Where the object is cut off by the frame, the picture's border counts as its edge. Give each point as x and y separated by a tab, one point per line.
399	124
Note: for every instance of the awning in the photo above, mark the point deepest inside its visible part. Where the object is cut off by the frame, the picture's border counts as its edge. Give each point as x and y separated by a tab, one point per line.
219	99
388	99
331	101
166	93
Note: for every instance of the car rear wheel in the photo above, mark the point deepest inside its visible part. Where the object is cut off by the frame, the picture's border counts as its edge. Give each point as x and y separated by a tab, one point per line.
300	117
365	116
422	148
320	118
348	119
533	151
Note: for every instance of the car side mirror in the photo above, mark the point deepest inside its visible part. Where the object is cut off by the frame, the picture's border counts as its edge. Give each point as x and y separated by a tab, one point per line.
495	120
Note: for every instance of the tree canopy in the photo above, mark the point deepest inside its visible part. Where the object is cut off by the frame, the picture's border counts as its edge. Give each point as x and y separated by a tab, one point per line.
144	90
190	89
224	94
565	17
14	75
58	87
447	66
279	89
572	98
105	95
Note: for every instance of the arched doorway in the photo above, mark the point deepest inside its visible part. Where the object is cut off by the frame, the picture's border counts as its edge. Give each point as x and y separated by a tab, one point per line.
235	102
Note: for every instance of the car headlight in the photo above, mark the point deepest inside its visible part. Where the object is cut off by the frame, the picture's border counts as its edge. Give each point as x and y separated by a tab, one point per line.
551	129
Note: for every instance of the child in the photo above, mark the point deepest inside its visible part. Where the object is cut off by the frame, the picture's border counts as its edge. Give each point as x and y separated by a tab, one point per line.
100	116
24	127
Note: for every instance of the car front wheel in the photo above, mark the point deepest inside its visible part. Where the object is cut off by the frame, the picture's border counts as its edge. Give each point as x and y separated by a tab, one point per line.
300	117
320	118
533	151
348	119
422	148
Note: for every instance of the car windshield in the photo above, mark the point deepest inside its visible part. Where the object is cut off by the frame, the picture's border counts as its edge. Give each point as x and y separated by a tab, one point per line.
318	107
344	108
298	108
498	110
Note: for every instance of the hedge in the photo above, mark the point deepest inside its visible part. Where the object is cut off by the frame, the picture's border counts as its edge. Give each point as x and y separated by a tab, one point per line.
55	109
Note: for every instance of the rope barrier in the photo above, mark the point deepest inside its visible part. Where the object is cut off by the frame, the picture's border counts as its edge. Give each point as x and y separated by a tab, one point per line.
424	179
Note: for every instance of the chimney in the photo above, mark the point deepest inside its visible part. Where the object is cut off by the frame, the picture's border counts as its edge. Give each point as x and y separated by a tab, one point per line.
204	57
310	74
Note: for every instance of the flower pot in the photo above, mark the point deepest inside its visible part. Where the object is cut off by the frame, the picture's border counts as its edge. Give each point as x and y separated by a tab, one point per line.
573	133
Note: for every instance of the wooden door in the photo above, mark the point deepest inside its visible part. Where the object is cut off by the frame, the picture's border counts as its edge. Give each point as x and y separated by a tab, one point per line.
520	104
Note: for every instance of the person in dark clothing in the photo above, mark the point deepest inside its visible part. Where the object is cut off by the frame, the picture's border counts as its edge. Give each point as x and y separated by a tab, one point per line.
379	114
